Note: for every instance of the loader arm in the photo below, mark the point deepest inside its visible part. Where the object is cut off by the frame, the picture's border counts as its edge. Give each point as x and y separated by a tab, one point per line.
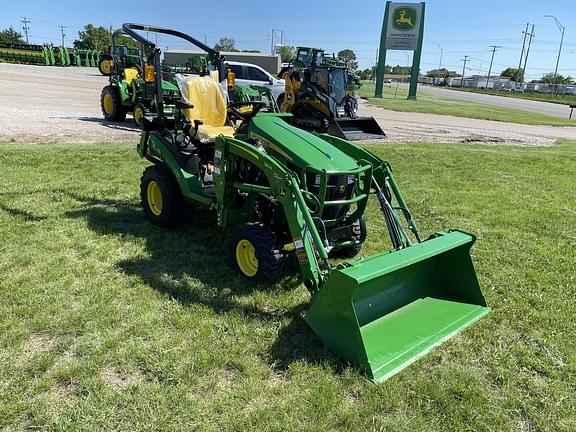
284	187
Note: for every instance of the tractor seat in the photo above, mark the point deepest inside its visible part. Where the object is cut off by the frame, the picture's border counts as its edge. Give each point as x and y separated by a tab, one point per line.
210	106
130	74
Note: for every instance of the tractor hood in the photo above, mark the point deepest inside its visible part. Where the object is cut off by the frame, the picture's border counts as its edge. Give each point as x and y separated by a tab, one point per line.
303	149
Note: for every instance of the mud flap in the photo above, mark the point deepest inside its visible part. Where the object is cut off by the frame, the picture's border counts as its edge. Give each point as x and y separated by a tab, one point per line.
358	129
388	310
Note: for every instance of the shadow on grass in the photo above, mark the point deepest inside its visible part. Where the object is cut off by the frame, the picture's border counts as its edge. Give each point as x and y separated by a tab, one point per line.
190	265
127	125
27	216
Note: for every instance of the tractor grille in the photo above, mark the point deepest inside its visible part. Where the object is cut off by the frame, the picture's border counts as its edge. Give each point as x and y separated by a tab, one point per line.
338	188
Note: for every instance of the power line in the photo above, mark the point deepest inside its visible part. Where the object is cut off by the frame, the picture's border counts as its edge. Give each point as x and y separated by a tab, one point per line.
525	33
531	34
494	48
26	29
62	33
464	69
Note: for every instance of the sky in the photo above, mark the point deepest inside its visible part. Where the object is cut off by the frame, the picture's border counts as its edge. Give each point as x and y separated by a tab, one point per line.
459	28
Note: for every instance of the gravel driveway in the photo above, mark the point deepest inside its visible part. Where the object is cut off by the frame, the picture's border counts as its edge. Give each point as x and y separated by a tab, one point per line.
57	104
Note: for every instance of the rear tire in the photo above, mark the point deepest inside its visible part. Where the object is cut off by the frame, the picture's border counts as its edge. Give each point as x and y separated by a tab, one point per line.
256	254
111	104
161	199
105	64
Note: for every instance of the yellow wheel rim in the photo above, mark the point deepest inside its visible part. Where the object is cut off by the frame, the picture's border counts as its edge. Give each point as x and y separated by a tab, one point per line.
155	200
108	103
106	66
138	113
246	258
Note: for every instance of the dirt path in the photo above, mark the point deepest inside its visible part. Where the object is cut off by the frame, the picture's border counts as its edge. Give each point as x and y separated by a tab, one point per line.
52	104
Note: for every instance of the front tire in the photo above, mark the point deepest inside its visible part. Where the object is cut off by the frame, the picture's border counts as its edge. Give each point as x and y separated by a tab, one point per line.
137	113
256	254
161	199
359	232
111	104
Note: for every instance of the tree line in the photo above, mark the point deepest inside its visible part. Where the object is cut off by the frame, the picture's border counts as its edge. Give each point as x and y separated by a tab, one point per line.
99	38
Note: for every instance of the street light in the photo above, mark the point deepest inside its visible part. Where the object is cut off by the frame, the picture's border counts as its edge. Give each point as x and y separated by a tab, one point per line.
440	64
562	29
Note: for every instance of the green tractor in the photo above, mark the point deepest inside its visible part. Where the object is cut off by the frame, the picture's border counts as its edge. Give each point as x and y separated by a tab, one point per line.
289	194
126	57
320	93
131	84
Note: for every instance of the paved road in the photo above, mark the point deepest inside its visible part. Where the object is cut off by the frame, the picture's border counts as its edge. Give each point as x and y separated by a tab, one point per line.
551	109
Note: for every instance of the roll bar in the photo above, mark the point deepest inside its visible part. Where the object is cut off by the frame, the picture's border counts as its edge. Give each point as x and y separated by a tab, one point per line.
214	56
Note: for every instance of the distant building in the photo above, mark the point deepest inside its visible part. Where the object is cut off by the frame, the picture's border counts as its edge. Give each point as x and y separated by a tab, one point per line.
480	81
269	62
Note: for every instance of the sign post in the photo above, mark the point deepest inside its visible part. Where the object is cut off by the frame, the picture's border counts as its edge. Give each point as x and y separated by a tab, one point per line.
403	29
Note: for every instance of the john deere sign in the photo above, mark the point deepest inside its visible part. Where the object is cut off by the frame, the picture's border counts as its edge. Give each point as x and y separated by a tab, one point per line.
403	28
404	19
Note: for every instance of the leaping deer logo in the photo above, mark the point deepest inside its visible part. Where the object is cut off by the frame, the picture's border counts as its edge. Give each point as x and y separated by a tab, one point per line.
404	19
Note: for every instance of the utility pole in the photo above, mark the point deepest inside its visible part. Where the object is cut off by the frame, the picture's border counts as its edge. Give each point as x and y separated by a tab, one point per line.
464	70
274	31
494	48
26	29
561	28
440	63
62	33
531	34
518	76
375	68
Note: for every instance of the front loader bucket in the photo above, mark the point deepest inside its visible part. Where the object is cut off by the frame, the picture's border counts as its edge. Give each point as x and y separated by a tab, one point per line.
358	129
386	311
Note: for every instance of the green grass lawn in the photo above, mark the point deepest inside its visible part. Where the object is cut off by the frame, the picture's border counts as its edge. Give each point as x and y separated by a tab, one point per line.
110	323
541	97
395	99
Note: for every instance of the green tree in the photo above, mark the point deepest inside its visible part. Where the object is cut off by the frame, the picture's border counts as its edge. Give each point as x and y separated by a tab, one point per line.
287	53
350	57
549	78
226	44
93	37
366	74
10	35
100	38
441	73
251	51
513	74
401	70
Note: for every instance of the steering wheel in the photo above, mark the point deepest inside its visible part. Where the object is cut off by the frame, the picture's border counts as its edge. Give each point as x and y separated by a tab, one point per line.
233	108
